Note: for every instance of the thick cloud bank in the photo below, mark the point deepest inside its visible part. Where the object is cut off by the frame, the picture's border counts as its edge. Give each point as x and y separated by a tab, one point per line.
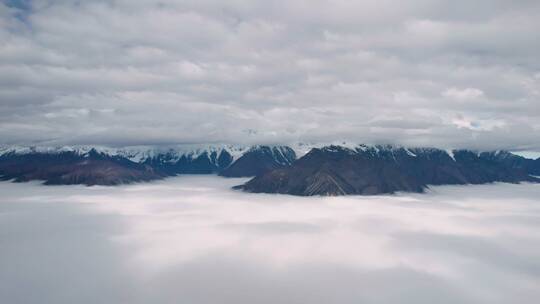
456	74
193	240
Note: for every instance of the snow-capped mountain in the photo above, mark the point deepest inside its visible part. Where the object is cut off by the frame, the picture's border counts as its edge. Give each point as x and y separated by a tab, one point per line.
376	169
108	165
260	159
23	163
138	154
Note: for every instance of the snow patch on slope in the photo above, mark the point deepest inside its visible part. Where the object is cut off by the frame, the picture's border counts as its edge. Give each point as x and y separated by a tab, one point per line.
136	154
451	154
527	154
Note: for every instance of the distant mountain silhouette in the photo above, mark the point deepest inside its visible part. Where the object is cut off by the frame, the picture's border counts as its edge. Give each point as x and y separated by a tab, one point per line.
368	170
260	159
68	168
330	170
91	166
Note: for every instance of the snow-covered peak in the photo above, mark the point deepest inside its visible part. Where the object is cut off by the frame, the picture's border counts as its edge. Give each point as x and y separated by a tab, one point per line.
303	148
135	153
283	155
81	150
527	154
371	149
174	153
338	149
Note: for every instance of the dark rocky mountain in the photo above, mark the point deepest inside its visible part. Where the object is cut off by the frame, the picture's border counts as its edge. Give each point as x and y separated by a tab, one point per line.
531	166
259	160
67	168
250	162
333	170
107	166
207	162
368	170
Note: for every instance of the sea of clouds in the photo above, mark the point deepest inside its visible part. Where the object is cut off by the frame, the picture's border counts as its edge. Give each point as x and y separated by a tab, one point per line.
191	239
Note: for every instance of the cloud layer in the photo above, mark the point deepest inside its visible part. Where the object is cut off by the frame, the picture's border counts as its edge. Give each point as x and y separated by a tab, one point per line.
439	73
193	240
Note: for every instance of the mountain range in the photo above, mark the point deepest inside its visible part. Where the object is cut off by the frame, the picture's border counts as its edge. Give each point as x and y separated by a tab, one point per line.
112	166
302	169
368	170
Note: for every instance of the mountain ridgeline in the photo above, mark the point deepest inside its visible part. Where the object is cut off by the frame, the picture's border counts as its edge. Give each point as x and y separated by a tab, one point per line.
326	170
68	168
105	166
370	170
259	161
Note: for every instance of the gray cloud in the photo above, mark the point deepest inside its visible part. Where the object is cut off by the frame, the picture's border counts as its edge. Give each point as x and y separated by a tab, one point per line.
192	239
449	74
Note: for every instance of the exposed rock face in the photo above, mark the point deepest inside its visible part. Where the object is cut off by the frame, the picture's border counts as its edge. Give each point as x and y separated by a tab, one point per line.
172	160
259	160
207	162
332	170
336	170
108	166
531	166
67	168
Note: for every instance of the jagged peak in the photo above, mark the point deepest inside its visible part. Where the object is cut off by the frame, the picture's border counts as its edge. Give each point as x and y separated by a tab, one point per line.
166	154
391	151
192	151
338	149
283	155
135	153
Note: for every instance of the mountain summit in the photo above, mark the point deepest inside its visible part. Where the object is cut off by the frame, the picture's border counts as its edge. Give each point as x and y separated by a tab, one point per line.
111	166
368	170
319	170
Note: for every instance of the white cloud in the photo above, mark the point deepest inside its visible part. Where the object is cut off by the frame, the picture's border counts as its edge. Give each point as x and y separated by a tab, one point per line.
463	94
192	239
336	66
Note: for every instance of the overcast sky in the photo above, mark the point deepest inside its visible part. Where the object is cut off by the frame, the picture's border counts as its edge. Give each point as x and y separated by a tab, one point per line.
424	72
